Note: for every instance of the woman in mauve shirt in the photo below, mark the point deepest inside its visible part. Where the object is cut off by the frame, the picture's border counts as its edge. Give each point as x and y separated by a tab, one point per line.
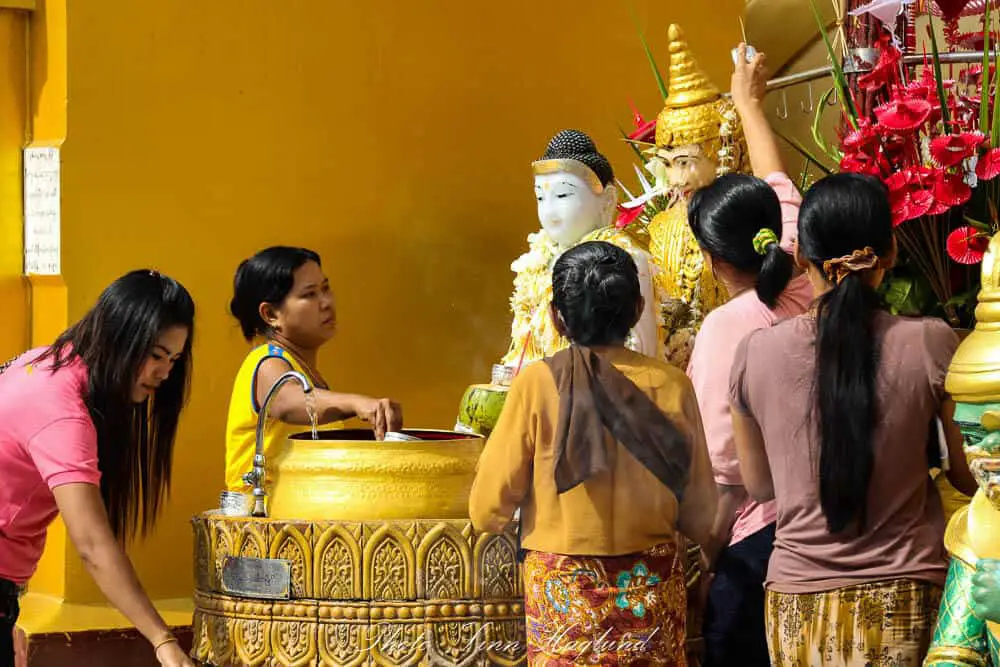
87	431
835	416
745	226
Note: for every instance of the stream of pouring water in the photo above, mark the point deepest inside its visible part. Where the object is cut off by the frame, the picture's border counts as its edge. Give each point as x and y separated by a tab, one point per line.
311	411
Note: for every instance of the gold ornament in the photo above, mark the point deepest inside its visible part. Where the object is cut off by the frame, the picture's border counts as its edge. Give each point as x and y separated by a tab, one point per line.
974	375
695	113
697	119
393	592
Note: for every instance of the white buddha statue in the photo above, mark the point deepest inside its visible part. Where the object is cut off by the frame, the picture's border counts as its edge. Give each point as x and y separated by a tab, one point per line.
577	202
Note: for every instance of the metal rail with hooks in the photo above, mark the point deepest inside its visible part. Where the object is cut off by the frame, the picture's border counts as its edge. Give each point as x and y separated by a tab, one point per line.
967	57
807	77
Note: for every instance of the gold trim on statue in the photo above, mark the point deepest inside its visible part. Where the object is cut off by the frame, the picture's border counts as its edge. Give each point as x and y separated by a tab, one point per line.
575	167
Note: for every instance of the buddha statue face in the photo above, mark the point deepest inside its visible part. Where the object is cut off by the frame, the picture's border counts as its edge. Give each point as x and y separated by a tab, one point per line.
574	188
685	168
569	209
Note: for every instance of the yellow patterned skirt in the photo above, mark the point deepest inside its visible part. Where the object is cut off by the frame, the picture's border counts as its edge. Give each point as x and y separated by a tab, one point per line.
617	610
888	623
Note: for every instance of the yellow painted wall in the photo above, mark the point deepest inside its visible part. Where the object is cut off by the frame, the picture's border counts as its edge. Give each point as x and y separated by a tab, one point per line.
393	136
13	130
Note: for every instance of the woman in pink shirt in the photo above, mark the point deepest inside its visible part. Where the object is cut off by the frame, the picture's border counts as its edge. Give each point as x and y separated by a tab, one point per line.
87	430
745	226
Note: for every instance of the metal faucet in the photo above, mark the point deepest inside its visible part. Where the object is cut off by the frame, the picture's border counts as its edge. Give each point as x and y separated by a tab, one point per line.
256	477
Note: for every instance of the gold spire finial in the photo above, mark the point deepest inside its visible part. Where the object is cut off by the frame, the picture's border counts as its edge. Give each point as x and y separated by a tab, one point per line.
693	110
688	85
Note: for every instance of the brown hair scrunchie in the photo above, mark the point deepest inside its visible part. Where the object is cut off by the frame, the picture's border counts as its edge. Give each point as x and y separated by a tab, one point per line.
860	260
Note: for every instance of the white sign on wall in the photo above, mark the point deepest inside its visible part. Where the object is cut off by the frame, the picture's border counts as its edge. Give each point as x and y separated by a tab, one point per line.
41	212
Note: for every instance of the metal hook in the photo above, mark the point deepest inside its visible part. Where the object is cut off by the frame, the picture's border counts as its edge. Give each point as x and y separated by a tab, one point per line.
812	105
782	111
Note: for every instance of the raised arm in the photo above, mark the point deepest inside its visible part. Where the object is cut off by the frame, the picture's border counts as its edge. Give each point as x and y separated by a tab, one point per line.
289	404
748	90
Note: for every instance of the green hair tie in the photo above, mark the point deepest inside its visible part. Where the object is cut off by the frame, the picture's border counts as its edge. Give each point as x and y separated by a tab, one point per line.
763	239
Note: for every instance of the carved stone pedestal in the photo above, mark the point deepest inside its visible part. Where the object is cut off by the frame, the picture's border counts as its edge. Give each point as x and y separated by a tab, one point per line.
421	592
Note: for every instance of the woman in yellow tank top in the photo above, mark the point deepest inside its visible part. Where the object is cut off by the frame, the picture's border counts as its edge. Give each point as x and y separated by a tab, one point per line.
284	304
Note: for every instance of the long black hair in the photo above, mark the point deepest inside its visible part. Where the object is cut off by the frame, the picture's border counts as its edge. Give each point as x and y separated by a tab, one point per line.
727	215
135	442
267	277
840	214
595	288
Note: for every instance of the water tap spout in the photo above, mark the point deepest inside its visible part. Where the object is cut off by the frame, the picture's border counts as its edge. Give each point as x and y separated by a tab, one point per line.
256	477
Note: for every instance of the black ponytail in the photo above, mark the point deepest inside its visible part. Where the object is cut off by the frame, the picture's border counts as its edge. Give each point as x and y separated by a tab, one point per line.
728	215
840	214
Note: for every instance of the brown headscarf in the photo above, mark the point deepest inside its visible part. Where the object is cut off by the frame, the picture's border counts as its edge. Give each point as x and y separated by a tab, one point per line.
597	401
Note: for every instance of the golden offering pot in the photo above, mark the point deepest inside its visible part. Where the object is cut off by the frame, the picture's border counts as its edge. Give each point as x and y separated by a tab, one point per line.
346	475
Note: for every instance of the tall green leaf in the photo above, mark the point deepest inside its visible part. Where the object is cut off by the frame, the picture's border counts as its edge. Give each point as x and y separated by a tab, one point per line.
839	80
984	95
638	153
649	55
817	129
805	152
995	130
945	113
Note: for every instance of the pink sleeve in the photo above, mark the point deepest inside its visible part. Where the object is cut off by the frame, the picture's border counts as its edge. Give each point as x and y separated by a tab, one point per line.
65	452
790	200
709	373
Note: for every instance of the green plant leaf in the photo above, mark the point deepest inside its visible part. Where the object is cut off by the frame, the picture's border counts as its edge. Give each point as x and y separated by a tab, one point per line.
817	130
660	81
635	149
907	295
984	95
966	298
839	80
995	130
977	224
805	152
936	57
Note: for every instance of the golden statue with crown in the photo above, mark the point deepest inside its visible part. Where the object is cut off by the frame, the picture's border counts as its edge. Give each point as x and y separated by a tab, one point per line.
967	632
698	136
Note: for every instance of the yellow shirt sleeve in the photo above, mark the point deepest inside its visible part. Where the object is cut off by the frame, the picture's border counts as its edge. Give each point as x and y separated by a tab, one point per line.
503	474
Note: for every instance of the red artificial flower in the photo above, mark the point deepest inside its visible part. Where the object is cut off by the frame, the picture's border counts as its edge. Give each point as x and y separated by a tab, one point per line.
885	71
950	190
865	138
967	245
949	150
909	192
646	133
951	9
909	205
988	166
903	114
860	163
645	130
626	216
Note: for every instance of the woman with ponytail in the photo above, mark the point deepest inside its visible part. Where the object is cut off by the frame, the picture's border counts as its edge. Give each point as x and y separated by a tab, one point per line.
603	451
833	413
745	226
